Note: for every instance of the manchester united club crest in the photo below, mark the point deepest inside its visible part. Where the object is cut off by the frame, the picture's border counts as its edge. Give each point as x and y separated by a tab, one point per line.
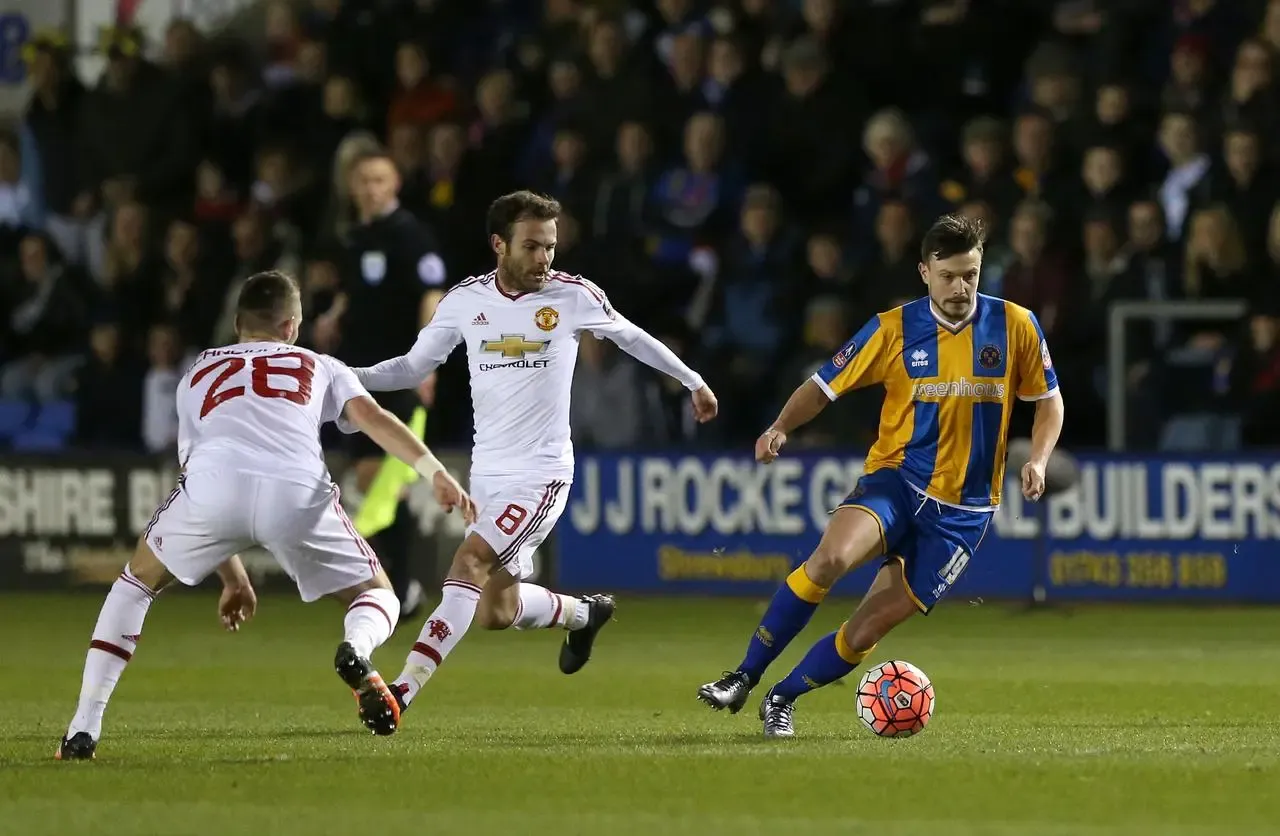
844	356
547	319
989	357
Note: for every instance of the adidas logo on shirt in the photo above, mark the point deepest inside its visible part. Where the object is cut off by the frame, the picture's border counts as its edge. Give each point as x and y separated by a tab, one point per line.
480	320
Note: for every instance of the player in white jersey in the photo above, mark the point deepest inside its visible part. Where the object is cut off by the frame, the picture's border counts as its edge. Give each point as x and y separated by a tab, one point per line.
521	325
249	419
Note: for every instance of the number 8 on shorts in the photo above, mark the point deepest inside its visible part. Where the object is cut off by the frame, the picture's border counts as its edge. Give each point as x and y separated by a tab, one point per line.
516	516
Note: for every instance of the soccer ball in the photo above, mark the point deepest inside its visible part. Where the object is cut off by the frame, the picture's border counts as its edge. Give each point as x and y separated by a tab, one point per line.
895	699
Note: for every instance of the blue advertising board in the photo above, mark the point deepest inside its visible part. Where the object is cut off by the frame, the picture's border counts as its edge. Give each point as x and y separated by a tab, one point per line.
1132	529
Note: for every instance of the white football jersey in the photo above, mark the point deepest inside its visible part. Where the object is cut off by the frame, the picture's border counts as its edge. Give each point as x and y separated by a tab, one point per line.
256	408
522	350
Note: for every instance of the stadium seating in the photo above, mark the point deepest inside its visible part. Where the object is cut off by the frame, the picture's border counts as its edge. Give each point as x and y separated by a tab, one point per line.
48	427
14	416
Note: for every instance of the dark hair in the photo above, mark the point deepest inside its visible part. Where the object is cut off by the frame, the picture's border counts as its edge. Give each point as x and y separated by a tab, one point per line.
952	235
265	299
523	205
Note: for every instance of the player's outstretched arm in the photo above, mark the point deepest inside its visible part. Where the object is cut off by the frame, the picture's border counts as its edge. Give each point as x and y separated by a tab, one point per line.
802	407
433	346
390	433
651	351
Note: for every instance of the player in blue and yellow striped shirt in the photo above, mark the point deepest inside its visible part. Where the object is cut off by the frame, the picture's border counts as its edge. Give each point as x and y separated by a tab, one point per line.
951	364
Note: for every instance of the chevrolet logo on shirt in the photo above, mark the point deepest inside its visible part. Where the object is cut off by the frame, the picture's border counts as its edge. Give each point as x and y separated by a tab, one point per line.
514	345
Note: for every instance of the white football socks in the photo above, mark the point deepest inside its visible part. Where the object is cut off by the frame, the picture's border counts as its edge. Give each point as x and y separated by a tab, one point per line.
445	627
540	607
115	638
370	620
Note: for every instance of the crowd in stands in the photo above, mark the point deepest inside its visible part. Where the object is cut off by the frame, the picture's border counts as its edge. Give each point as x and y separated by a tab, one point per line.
748	179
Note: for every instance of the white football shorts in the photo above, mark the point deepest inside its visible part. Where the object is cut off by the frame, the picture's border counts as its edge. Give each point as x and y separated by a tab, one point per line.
516	515
212	515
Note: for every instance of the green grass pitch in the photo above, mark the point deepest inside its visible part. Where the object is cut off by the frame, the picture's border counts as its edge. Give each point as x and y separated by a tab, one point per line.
1097	720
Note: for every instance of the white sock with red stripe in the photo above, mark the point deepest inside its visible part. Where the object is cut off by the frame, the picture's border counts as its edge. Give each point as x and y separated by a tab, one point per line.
115	638
540	607
370	620
445	627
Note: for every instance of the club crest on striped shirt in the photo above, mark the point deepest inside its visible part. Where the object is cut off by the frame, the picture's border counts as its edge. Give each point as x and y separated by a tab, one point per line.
989	356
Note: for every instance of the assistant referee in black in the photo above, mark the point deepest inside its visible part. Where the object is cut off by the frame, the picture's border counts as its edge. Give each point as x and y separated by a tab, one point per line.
392	279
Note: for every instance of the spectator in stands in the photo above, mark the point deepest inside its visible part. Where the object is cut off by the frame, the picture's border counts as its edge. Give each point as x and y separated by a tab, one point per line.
1187	90
20	207
606	404
1187	167
449	203
45	324
1039	167
159	385
901	170
1247	185
52	123
128	280
419	99
985	174
1037	276
564	84
109	393
827	326
255	251
1054	84
733	88
622	199
1103	261
342	113
567	178
1251	96
191	287
239	113
891	276
1215	267
693	203
680	93
1101	187
613	92
135	145
340	214
830	273
1253	371
755	312
811	134
1114	125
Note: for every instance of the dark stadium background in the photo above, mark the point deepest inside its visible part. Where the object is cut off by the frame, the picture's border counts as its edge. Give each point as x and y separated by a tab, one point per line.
746	178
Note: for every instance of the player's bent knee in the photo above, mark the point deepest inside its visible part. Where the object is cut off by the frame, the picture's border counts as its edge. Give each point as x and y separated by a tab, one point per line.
473	562
146	567
495	617
852	539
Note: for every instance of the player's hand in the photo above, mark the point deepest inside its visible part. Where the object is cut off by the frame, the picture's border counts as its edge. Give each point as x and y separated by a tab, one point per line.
450	495
705	405
1033	480
237	605
769	445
